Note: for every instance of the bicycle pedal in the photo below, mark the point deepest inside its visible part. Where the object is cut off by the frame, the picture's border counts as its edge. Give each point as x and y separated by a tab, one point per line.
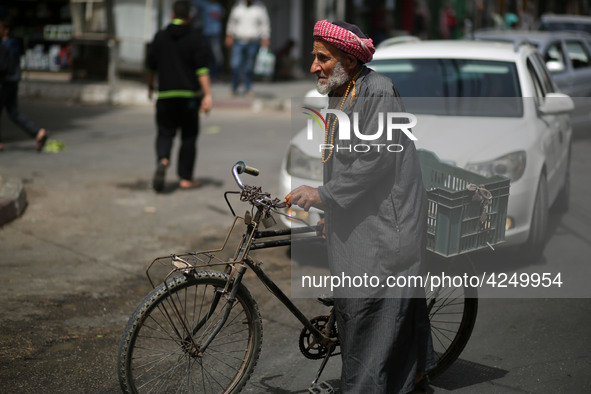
321	388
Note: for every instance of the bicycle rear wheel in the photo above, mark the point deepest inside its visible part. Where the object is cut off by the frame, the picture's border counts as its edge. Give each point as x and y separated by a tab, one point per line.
452	313
160	349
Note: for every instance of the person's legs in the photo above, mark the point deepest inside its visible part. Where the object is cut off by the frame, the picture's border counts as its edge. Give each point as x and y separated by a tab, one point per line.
167	125
11	104
216	58
166	121
237	61
251	50
380	344
10	99
189	115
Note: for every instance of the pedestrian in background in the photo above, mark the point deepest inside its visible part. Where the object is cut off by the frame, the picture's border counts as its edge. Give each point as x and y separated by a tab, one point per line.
248	29
178	57
448	22
211	15
10	76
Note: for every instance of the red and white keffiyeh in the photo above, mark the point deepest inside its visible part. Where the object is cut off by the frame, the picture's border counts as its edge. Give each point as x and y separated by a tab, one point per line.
345	40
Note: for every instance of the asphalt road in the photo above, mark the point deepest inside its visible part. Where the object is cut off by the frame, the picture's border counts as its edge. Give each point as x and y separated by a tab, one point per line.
72	267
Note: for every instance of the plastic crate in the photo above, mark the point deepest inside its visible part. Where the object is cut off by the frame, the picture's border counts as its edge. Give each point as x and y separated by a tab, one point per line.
457	222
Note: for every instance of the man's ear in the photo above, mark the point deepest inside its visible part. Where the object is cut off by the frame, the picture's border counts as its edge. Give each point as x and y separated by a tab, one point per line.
350	62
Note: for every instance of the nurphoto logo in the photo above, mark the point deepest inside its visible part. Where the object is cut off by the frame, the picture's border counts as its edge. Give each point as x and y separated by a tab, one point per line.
387	122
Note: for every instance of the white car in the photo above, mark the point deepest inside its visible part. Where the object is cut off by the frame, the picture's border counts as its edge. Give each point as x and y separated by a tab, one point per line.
491	108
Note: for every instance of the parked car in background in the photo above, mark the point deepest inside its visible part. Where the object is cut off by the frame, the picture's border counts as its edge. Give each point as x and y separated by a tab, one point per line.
491	108
398	40
568	58
554	22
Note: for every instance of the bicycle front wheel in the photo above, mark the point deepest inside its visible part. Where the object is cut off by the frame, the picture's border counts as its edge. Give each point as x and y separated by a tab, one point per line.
160	349
452	314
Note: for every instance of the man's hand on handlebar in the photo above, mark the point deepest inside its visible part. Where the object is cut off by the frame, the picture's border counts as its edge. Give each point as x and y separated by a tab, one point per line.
304	197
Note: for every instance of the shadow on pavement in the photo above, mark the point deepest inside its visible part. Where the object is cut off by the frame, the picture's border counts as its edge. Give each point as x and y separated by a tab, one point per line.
556	226
270	388
466	373
55	116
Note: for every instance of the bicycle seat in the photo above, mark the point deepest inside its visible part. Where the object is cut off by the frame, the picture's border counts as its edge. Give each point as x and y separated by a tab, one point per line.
328	301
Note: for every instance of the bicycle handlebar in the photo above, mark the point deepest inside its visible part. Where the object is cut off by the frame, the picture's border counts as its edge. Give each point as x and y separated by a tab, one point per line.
242	167
254	194
239	168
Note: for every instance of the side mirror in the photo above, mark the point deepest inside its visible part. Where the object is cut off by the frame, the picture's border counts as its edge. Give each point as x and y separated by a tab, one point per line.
316	100
555	103
554	66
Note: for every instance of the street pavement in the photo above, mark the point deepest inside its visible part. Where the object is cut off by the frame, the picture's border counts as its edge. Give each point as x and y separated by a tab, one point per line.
274	96
72	265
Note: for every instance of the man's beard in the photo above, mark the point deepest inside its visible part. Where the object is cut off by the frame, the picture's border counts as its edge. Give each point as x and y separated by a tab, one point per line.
338	78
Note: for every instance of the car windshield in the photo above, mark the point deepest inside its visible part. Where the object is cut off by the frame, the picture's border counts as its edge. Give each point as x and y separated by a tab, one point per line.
449	86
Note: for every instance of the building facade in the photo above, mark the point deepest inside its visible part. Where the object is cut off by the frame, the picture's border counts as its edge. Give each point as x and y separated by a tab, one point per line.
102	39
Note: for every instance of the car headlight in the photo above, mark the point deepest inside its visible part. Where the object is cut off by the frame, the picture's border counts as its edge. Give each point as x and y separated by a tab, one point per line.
301	165
511	166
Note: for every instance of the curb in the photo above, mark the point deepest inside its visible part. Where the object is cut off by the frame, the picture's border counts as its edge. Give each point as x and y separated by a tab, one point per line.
13	199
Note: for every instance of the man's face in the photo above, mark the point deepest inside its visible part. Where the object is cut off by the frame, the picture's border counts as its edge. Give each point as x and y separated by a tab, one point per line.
328	68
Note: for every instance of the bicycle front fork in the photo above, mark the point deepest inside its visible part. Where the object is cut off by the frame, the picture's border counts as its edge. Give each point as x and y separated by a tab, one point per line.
235	283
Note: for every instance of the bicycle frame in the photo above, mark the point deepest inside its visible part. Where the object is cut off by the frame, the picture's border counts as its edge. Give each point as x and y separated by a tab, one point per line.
235	268
273	288
318	339
248	244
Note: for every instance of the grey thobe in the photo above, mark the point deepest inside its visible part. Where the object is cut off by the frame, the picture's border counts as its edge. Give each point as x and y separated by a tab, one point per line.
376	217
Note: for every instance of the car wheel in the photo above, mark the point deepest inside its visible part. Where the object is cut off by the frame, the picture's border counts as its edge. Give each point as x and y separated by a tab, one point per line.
532	251
562	203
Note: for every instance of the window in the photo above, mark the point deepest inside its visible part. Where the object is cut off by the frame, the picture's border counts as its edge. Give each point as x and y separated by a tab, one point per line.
578	54
555	54
450	77
449	86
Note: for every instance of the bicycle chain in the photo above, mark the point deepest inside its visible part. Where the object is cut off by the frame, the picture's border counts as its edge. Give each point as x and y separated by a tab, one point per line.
309	346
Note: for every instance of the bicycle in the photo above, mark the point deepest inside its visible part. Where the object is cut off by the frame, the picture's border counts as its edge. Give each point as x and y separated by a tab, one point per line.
200	330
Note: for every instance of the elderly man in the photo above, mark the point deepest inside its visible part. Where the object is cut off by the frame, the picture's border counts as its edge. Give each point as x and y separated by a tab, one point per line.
375	219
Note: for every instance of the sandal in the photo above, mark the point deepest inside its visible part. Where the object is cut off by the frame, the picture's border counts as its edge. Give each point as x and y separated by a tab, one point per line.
186	184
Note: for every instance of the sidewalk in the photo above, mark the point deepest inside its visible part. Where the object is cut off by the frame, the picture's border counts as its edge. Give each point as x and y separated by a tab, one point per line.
267	95
275	96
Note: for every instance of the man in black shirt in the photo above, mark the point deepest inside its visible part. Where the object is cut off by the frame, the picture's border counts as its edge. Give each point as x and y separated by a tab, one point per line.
178	56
